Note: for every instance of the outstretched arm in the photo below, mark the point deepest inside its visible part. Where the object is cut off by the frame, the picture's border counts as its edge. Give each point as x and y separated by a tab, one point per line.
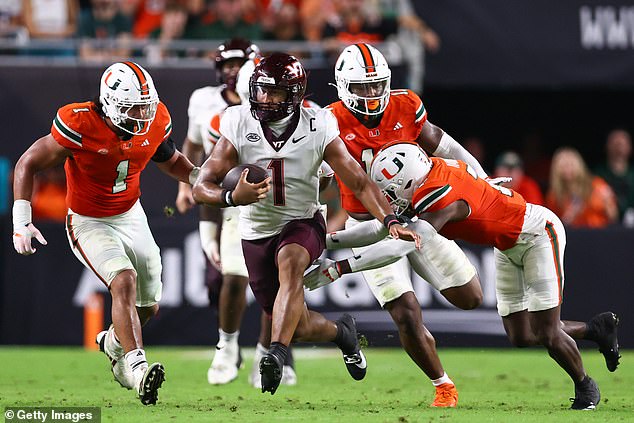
344	165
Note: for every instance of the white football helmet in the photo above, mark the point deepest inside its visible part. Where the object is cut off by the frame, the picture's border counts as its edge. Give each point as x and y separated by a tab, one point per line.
242	84
128	97
399	169
363	79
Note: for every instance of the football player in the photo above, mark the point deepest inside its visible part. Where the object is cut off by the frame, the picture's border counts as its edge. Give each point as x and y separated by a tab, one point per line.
281	227
104	145
448	197
226	292
371	115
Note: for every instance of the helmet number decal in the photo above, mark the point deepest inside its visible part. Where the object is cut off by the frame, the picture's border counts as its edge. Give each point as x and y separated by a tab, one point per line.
366	158
277	167
295	69
122	173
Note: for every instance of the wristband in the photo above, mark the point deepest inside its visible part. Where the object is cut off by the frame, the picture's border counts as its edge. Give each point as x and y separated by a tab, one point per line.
227	197
390	220
21	213
193	175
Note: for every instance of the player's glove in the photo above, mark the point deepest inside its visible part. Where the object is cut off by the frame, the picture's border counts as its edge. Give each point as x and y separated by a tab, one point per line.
499	180
323	272
22	239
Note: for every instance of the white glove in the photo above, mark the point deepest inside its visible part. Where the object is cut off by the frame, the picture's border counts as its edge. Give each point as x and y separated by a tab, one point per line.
22	239
321	273
499	180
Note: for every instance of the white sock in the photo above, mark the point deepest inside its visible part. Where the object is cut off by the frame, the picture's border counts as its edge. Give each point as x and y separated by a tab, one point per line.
137	361
443	379
114	345
225	338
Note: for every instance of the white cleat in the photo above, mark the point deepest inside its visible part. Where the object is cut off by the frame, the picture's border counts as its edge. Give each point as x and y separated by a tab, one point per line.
255	378
289	377
225	364
114	351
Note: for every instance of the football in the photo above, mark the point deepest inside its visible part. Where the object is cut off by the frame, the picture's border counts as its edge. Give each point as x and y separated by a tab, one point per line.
256	174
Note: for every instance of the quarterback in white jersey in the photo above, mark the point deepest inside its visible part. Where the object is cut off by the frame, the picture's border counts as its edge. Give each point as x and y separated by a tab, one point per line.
293	163
282	228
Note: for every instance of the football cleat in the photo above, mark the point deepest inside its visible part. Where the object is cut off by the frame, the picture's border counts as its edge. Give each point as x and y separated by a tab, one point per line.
446	396
604	329
225	364
150	383
271	371
114	351
353	357
587	395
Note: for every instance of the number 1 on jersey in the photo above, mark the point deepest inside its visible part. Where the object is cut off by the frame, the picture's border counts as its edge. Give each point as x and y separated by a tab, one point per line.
277	167
366	157
122	173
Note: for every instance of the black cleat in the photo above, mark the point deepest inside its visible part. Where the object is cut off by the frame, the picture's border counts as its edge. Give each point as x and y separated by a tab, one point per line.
271	372
587	395
349	344
603	328
152	380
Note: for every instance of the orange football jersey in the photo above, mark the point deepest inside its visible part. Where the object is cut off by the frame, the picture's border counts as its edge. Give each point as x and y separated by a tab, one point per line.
497	213
402	120
103	174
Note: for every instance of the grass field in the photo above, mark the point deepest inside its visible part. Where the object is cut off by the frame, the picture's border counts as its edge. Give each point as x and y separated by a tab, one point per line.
495	386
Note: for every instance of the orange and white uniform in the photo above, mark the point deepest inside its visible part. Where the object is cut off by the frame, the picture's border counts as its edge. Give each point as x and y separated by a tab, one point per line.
106	226
443	264
402	120
529	239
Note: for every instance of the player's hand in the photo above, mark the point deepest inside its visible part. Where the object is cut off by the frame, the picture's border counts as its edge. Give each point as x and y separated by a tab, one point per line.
499	180
212	251
247	193
184	198
22	239
322	272
399	232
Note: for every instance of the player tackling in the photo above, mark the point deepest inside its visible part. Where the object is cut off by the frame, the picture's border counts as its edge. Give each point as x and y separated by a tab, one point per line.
447	197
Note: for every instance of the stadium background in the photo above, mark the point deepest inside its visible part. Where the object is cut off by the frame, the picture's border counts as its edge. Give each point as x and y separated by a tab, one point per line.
564	70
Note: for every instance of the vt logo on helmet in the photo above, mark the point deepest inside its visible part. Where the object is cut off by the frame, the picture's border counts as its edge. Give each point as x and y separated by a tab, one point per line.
128	97
363	79
399	168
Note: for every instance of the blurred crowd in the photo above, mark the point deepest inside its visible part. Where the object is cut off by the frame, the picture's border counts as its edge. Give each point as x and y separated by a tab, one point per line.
104	28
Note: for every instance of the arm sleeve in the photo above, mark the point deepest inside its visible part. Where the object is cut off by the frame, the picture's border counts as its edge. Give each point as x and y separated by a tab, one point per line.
451	149
363	234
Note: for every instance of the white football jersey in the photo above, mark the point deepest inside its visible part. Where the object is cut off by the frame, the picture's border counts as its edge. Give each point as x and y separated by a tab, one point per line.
204	104
293	167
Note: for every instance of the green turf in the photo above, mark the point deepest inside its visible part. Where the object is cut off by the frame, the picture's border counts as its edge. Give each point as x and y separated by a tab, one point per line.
495	386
